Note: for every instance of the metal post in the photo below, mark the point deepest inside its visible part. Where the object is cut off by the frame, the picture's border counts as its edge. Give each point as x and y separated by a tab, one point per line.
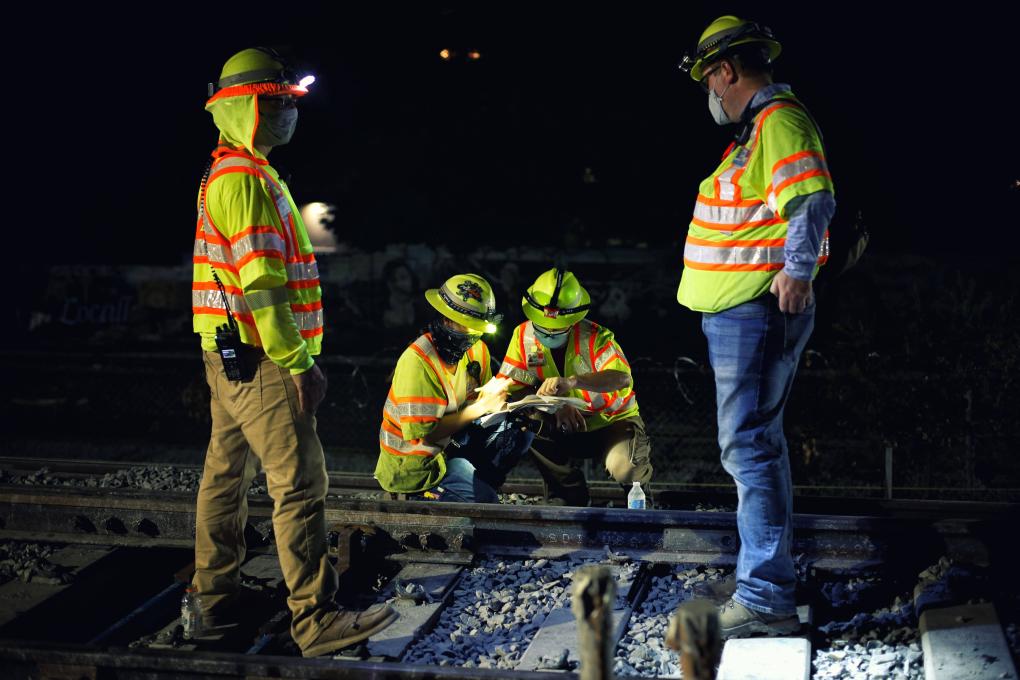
888	472
592	602
694	632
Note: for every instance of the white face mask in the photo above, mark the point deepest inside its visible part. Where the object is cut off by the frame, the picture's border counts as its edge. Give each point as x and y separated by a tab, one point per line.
715	106
276	127
551	341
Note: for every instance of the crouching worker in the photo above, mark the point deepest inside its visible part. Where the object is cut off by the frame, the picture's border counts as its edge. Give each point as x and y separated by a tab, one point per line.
429	446
558	352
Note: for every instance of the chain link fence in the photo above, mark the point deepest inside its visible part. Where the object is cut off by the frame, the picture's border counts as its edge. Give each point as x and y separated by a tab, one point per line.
840	424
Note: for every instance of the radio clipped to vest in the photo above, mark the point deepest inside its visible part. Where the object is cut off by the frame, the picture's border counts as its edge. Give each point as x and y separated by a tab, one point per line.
233	352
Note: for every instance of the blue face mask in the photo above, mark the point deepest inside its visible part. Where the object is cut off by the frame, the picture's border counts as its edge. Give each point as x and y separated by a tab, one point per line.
552	340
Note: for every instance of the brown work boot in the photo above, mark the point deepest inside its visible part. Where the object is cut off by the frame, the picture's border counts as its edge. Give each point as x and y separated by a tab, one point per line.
343	628
718	590
737	621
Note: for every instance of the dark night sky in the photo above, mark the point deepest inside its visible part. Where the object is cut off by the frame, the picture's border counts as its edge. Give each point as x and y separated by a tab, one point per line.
919	124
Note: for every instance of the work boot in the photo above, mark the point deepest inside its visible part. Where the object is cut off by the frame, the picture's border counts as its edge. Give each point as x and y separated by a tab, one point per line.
343	628
718	590
737	621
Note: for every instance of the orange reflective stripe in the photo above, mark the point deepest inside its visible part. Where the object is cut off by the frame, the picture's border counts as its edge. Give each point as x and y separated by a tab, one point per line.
211	285
418	400
312	333
254	230
740	227
623	407
257	254
264	89
765	267
389	427
202	259
312	283
415	452
418	419
721	203
228	171
766	242
311	307
801	177
514	362
793	158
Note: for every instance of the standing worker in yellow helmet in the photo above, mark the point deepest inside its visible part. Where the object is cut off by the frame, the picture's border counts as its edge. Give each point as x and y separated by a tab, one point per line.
257	307
757	238
559	352
429	446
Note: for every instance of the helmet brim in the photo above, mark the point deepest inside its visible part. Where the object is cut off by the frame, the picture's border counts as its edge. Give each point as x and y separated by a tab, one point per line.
697	71
262	89
477	325
557	322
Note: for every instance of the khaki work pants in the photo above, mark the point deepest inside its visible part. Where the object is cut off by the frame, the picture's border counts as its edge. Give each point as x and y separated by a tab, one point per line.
622	447
259	422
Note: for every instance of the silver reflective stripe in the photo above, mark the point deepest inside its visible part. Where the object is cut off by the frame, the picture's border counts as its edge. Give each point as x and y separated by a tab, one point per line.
212	298
417	408
452	403
797	167
236	162
584	331
606	357
302	271
260	299
824	250
217	253
727	190
400	444
258	241
308	321
734	255
519	375
732	215
529	342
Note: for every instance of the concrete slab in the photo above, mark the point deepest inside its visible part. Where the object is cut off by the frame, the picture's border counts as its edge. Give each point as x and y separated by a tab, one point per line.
17	597
437	580
781	658
559	630
965	643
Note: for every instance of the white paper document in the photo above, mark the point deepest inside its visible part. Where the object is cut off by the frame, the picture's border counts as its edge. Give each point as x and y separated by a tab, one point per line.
545	404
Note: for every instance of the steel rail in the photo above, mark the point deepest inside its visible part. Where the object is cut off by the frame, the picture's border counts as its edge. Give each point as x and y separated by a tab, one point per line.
134	517
669	494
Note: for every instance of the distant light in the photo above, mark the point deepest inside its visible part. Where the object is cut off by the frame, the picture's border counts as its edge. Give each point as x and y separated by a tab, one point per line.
316	216
445	54
490	328
306	81
474	55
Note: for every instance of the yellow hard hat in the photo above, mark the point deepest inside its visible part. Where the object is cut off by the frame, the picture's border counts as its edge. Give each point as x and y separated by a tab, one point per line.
556	300
467	299
258	70
723	34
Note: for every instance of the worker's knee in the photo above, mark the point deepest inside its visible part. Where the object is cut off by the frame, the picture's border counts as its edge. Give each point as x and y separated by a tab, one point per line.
629	460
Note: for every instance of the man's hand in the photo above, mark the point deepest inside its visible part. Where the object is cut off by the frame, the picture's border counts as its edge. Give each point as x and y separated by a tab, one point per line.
311	389
557	387
489	402
794	295
569	419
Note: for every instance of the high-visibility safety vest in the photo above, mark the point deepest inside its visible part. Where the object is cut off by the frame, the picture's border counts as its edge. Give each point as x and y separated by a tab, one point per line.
736	238
251	233
590	348
423	391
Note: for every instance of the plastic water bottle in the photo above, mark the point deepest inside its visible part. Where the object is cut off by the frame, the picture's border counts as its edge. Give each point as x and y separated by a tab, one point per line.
191	613
636	497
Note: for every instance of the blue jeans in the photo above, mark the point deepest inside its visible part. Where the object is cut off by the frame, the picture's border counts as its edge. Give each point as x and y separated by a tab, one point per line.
754	349
477	463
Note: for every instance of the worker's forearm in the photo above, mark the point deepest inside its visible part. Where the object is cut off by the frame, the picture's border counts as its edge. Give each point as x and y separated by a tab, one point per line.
452	423
609	380
809	217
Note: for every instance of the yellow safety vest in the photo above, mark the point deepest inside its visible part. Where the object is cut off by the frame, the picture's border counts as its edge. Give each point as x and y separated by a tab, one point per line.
590	348
422	392
736	239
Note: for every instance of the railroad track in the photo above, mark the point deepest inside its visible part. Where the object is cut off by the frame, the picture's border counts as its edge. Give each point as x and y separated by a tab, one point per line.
122	556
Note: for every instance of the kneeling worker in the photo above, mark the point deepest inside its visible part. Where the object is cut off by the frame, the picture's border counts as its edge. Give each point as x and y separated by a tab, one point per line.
558	352
429	448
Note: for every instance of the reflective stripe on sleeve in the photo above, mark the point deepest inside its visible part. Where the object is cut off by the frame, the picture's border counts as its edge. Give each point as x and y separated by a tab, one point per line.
260	299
